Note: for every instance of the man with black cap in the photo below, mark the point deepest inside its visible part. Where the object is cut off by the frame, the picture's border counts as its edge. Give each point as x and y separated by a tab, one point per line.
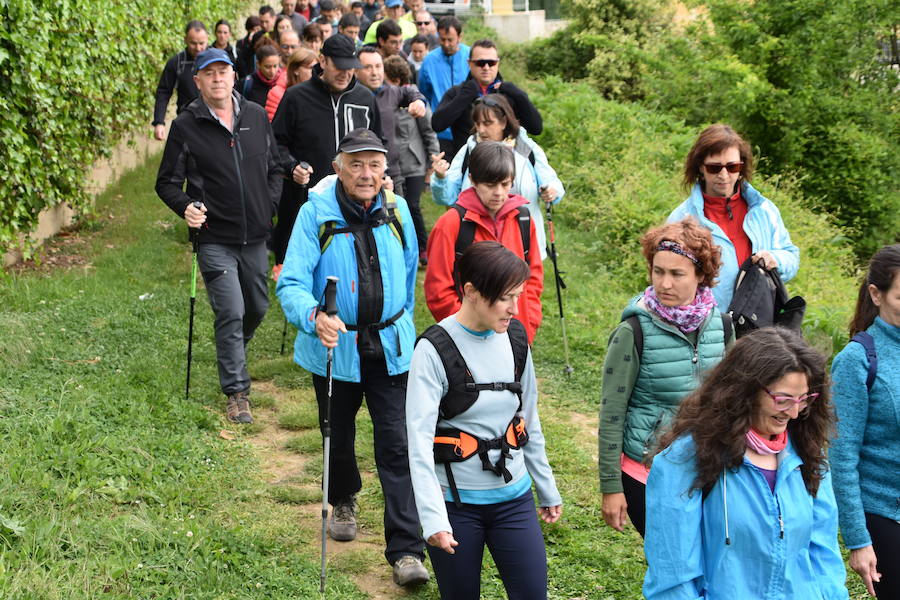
177	76
312	118
353	229
223	146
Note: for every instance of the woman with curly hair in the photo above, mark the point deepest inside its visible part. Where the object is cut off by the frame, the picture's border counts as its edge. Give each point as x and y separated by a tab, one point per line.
739	499
864	454
744	223
667	338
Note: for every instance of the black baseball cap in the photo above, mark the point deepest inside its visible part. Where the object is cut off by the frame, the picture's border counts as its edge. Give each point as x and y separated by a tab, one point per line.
361	140
342	52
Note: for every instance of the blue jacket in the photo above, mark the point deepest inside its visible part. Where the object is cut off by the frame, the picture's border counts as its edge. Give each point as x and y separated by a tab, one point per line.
685	546
302	284
763	226
864	455
439	73
527	183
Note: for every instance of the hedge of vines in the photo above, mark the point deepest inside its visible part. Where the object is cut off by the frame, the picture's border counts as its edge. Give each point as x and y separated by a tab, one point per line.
75	77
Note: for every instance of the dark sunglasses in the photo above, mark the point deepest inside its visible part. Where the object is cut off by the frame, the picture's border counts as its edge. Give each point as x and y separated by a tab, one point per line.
734	167
487	100
485	62
422	23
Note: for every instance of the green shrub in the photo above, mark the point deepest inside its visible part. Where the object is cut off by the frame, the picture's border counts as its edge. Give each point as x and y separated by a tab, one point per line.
561	54
75	76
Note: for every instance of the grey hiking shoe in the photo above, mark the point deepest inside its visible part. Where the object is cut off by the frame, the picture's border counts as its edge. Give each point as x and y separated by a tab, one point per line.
238	408
342	524
409	570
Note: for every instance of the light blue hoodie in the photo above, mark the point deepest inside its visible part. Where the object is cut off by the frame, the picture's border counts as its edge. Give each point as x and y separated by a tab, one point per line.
764	227
783	545
302	284
439	73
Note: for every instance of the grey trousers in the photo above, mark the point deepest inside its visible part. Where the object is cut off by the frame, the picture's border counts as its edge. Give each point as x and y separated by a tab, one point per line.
235	278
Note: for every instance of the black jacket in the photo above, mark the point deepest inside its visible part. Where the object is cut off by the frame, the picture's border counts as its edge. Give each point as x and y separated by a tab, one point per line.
256	90
455	109
310	123
178	74
235	174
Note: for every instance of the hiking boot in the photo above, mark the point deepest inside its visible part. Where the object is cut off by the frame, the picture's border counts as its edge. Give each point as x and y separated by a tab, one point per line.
342	524
409	570
238	408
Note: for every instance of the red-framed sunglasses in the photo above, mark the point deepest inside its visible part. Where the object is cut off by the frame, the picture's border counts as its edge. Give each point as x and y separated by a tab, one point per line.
734	167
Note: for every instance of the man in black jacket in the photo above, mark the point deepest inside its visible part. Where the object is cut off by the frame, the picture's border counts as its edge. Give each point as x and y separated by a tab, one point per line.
455	109
178	74
311	120
223	147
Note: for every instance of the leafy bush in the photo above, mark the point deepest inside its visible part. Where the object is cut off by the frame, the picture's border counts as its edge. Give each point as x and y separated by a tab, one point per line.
562	54
75	76
621	164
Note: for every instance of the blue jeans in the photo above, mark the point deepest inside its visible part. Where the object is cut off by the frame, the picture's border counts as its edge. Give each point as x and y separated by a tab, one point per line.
513	536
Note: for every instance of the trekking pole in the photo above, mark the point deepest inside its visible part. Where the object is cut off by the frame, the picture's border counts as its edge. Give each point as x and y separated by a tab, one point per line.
330	310
305	166
194	237
560	285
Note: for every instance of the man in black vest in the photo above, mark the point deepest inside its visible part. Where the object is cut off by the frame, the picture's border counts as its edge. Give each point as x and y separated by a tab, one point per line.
178	74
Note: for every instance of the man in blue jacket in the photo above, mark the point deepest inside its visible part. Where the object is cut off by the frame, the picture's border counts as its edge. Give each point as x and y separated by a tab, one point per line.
443	68
352	229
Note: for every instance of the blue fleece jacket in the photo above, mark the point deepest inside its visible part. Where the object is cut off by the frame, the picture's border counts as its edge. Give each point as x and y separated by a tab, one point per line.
439	73
783	544
763	226
302	284
865	455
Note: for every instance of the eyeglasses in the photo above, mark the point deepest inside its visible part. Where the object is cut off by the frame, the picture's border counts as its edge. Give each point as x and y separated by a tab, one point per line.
783	402
289	46
423	23
733	167
485	62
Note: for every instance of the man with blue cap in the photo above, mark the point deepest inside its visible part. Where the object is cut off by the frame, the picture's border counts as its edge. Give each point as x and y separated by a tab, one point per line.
223	146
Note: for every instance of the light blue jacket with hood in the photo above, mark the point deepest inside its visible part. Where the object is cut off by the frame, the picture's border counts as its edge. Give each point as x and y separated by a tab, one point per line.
764	227
742	541
301	285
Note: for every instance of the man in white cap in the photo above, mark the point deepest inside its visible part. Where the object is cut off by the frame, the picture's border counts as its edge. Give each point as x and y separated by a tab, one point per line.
353	229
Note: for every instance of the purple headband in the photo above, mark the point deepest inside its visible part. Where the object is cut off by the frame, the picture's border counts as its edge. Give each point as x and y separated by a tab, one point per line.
675	247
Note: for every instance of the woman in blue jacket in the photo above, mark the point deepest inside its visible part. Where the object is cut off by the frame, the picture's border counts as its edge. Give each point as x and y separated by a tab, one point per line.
864	455
535	180
739	501
742	221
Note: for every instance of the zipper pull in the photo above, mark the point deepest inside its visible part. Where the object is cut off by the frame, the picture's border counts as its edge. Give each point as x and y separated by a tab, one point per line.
231	143
696	356
781	525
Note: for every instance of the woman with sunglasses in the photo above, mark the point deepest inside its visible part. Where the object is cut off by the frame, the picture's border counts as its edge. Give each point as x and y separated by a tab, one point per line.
743	222
739	499
464	503
535	180
668	337
865	454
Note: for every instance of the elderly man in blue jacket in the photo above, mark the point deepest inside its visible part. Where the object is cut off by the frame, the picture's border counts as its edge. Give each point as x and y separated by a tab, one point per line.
353	229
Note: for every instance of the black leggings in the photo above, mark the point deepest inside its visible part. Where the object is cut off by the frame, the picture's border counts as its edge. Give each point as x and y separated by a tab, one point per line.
414	187
292	197
634	496
885	534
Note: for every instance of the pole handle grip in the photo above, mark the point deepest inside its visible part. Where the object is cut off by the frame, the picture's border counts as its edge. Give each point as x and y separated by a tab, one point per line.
331	296
306	167
194	231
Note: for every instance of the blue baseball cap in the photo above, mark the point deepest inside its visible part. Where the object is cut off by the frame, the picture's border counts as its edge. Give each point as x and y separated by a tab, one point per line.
392	3
210	56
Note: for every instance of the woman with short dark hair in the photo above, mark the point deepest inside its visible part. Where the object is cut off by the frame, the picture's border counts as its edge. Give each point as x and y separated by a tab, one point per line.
667	338
739	499
485	211
474	455
864	455
535	180
743	222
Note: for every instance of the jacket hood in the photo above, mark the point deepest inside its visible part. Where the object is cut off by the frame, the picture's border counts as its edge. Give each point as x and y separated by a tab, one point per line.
324	198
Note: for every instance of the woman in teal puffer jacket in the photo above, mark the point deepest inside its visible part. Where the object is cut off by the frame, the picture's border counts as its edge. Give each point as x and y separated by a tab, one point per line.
668	337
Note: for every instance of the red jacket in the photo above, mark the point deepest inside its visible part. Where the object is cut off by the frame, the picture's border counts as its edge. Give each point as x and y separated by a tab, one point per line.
276	93
440	291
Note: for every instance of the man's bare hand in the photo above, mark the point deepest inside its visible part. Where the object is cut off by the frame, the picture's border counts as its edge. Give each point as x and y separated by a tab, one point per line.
194	216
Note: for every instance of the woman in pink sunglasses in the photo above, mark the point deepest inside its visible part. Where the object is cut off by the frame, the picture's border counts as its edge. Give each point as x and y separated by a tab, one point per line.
743	222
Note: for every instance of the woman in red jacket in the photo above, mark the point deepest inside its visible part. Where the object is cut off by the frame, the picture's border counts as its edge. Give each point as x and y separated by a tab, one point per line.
486	211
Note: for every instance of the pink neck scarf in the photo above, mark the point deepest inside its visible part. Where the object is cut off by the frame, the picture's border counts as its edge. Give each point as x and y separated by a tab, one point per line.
761	444
687	318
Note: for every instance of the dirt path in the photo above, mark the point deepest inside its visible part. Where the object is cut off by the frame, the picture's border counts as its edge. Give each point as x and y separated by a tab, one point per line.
285	468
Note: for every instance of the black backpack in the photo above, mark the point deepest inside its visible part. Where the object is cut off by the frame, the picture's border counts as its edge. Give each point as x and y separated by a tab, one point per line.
761	300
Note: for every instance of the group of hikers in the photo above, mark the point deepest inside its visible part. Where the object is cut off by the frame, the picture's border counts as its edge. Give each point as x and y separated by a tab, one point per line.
728	446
